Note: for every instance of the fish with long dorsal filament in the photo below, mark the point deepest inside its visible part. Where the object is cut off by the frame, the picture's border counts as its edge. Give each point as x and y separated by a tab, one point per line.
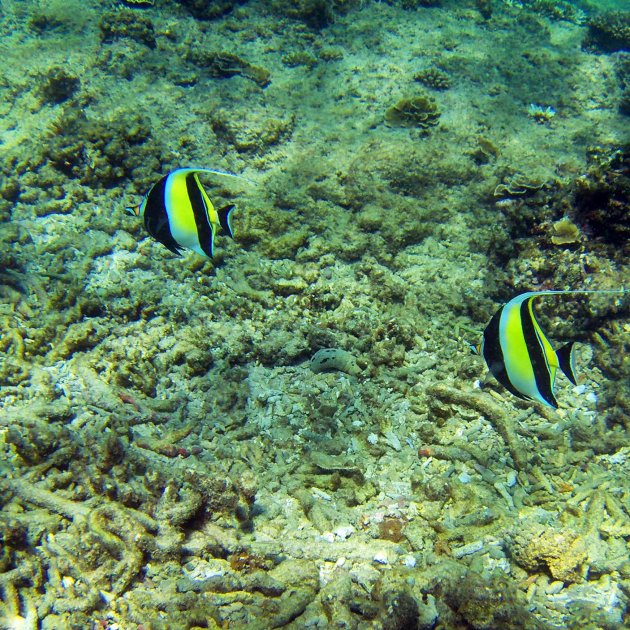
178	213
518	353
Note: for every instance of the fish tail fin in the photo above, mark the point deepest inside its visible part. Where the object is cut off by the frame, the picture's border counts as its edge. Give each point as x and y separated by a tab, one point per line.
224	219
565	360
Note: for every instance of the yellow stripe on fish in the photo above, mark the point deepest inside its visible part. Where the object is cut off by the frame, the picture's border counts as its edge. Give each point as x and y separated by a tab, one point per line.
178	213
518	353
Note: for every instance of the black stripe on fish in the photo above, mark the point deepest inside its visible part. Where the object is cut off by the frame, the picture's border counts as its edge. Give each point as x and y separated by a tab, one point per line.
156	217
537	356
493	353
201	213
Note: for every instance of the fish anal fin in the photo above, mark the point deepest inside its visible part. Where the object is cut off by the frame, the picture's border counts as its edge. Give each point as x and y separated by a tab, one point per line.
224	219
565	360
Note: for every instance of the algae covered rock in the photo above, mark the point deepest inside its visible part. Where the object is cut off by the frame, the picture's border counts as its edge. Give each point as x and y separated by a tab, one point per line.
251	132
58	86
561	551
204	10
602	196
222	65
99	153
129	24
608	32
488	603
316	14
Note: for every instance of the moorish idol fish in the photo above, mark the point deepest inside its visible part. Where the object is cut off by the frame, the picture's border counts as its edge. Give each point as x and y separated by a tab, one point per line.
178	213
518	353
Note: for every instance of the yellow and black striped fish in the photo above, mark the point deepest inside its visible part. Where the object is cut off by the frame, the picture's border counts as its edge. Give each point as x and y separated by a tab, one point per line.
519	354
178	213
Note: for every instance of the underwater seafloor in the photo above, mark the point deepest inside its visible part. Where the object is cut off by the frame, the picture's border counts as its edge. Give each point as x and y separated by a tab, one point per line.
171	457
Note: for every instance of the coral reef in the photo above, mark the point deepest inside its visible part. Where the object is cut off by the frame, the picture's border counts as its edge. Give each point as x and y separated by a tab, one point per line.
565	232
557	10
622	69
299	58
616	366
541	114
485	8
414	4
139	4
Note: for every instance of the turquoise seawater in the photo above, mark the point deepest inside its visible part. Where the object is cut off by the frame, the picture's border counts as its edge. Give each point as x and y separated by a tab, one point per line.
253	394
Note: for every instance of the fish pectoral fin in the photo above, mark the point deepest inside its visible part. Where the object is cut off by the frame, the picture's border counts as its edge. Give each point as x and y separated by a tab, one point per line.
224	219
565	360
